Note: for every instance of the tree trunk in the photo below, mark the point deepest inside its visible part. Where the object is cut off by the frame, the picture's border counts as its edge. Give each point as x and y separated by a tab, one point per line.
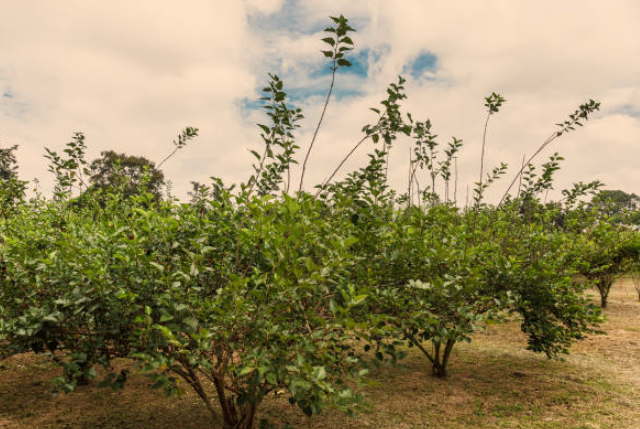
234	415
439	362
604	287
603	300
439	370
239	416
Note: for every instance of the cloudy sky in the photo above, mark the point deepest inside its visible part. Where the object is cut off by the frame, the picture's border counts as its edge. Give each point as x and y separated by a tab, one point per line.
131	74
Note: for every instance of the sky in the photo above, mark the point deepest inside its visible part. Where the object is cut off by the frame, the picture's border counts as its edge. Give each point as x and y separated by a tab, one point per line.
131	74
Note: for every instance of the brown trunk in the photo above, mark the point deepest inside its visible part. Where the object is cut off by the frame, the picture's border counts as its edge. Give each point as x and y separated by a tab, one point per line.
439	363
604	286
235	416
438	370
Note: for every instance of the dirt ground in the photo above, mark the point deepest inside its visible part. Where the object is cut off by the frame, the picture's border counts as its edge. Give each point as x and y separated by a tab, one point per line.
494	383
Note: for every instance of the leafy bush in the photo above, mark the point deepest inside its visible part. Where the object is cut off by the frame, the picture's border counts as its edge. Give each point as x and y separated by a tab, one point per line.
258	292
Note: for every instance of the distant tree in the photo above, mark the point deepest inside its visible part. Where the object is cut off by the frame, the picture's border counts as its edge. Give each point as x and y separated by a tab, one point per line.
114	170
11	188
8	163
614	203
198	192
201	193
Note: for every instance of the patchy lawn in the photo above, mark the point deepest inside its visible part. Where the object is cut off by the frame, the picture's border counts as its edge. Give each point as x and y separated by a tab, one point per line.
493	383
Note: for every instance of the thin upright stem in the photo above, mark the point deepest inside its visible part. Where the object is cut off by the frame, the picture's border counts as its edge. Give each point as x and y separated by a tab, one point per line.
324	184
551	138
169	156
455	183
520	182
324	109
484	143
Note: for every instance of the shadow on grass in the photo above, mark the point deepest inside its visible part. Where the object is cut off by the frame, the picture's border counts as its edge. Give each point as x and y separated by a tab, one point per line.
493	383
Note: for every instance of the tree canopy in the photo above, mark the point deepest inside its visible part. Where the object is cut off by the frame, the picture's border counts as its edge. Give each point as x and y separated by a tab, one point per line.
614	203
11	188
113	170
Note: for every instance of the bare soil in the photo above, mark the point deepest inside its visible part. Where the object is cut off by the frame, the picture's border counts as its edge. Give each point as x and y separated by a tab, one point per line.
494	383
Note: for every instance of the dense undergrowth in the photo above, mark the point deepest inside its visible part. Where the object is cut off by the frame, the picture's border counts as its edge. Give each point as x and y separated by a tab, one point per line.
258	290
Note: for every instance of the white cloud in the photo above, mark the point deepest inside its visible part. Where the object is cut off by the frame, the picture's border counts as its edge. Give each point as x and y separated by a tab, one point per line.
264	6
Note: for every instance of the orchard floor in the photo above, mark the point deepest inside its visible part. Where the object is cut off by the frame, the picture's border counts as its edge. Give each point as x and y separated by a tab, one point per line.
493	383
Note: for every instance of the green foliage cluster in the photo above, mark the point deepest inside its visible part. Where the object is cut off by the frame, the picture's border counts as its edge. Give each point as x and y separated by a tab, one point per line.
619	206
113	170
240	295
11	188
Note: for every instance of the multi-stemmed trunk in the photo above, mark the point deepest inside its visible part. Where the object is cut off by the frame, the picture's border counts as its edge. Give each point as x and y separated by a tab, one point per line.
235	415
439	358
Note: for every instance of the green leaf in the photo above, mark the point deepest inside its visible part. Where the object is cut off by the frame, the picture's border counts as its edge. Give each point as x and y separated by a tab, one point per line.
191	322
246	370
350	241
271	378
319	373
157	266
165	316
329	40
359	299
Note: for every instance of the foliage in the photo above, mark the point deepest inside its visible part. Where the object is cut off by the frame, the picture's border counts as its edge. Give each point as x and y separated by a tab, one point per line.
616	204
608	251
339	43
279	144
11	188
117	170
68	168
257	292
184	137
165	287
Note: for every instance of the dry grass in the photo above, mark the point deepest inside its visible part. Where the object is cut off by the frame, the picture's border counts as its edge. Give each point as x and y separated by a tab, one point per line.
494	383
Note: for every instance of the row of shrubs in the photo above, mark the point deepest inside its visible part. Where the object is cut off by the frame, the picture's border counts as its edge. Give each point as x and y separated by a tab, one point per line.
250	291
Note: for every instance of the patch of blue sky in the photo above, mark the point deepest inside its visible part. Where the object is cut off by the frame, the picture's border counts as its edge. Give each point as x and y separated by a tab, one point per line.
10	106
360	62
425	62
246	103
629	110
319	78
301	95
288	19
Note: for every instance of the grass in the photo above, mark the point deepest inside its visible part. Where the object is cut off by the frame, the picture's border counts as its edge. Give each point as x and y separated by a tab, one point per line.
493	383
